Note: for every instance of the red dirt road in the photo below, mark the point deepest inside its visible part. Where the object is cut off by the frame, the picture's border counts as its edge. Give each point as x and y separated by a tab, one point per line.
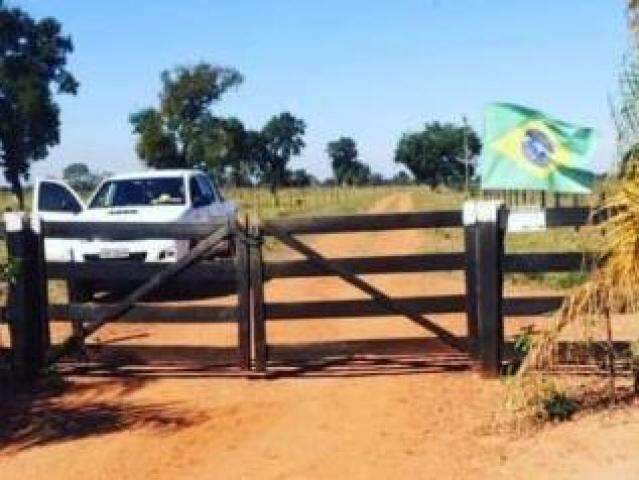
403	406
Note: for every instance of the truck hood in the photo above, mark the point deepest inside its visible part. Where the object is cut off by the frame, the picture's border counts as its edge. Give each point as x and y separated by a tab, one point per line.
147	214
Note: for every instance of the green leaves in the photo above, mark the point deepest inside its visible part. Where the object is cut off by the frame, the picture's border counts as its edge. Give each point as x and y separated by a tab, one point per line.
436	154
10	271
182	132
347	169
187	93
33	57
282	137
80	178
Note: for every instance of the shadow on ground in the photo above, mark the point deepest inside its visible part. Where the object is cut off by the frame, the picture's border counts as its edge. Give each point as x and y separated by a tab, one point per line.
349	358
42	416
346	358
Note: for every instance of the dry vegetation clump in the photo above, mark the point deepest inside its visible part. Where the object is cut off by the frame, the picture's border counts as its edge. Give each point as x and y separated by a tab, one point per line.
537	393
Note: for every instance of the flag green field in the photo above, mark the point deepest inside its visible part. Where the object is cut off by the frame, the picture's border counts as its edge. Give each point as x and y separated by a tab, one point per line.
524	149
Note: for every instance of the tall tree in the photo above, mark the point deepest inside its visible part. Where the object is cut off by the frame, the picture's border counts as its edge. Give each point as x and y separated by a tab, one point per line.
33	58
437	154
241	153
283	138
343	153
359	174
347	169
183	132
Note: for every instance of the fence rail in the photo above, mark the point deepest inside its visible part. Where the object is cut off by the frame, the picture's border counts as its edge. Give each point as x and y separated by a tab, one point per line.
220	270
130	231
367	223
68	312
369	265
546	262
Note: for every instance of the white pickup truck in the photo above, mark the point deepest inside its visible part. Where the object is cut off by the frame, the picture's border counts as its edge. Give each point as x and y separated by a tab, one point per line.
187	196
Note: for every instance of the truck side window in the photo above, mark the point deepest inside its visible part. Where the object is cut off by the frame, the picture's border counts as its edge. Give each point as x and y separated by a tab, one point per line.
55	198
207	190
197	197
216	190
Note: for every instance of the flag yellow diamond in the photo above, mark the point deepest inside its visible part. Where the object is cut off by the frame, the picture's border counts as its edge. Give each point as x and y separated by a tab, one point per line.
533	146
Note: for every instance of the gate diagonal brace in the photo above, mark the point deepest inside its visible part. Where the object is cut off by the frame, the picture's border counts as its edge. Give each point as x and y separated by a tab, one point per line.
348	276
107	314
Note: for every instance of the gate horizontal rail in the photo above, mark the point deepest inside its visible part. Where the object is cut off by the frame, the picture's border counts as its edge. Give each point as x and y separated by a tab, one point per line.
546	262
362	308
429	262
131	231
120	270
370	222
369	265
356	309
67	312
572	216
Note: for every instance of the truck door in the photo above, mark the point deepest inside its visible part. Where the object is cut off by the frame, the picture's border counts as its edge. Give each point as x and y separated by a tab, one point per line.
54	201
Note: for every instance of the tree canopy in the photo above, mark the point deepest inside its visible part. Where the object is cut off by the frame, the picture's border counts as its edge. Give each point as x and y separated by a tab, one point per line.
183	132
281	138
80	177
347	169
436	154
401	178
33	58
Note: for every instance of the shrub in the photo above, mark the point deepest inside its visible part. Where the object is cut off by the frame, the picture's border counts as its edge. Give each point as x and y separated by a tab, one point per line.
558	406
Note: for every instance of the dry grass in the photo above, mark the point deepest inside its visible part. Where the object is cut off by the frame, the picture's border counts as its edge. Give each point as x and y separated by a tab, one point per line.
611	288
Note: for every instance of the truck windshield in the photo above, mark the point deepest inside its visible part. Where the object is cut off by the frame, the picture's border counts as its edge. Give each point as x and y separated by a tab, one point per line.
140	192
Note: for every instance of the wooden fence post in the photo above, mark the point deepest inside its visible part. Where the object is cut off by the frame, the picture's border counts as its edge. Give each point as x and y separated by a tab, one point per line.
27	301
242	269
260	349
470	244
489	285
557	199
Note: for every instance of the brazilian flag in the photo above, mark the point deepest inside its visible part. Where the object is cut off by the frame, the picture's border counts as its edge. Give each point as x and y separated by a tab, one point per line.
524	149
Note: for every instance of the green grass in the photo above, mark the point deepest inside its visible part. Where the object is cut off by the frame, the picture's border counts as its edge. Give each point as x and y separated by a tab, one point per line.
259	203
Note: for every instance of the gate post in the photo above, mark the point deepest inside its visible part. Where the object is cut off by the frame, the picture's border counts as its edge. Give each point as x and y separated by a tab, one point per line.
260	349
489	285
470	246
242	275
27	302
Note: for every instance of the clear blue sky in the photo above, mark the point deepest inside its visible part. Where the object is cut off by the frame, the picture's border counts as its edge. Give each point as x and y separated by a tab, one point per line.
370	70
